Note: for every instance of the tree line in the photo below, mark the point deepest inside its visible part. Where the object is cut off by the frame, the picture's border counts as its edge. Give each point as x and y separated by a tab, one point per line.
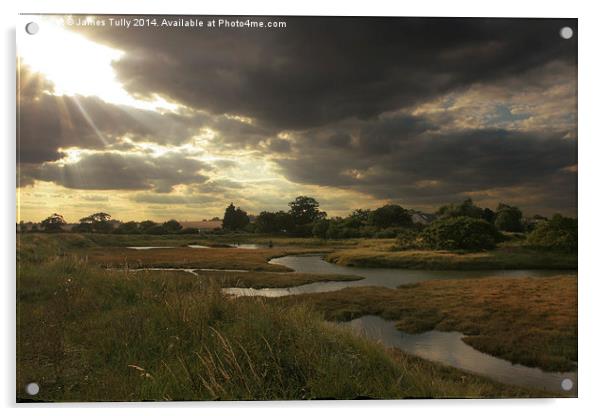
102	223
453	226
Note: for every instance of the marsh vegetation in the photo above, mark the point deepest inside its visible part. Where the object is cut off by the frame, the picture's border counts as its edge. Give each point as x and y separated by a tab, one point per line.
101	319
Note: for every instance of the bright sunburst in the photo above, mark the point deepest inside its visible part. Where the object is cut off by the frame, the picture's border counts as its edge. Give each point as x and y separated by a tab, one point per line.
77	65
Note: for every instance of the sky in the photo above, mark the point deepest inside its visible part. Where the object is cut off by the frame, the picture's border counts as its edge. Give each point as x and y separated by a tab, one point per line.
161	122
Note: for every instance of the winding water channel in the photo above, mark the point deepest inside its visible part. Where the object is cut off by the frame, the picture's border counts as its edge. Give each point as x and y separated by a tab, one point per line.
443	347
374	276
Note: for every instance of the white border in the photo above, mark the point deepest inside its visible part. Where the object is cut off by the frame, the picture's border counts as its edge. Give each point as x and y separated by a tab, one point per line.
590	208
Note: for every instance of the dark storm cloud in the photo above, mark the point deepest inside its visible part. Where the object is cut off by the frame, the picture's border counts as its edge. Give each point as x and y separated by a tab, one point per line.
279	145
340	139
48	122
124	171
379	137
420	111
318	70
425	166
237	134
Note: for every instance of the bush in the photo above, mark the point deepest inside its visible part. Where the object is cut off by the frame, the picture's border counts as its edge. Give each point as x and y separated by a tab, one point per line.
130	227
559	234
408	240
157	230
391	216
462	233
189	230
333	231
509	219
386	233
320	228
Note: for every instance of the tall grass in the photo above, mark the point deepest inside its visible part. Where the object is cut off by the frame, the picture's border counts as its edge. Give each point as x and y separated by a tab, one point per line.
531	321
87	334
509	256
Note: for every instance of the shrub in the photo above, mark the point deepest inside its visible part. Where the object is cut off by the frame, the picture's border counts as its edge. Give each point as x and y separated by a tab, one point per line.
462	233
320	228
172	226
559	234
391	216
157	230
333	231
386	233
189	230
130	227
407	240
466	209
509	219
349	232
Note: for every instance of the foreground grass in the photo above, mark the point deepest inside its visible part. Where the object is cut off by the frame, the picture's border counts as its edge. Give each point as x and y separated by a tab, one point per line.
509	256
87	334
531	321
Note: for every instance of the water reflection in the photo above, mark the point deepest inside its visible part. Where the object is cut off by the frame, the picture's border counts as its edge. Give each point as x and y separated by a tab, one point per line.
448	348
242	246
147	247
391	278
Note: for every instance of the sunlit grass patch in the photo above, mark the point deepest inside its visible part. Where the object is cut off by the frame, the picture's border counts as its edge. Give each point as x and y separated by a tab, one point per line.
509	256
532	321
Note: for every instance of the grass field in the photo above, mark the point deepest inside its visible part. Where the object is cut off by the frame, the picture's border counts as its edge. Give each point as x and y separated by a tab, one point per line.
531	321
111	250
211	258
87	334
36	247
504	257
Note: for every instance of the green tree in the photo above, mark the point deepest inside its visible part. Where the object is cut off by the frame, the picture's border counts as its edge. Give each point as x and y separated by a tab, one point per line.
172	226
358	218
464	233
320	228
157	229
274	222
234	218
53	224
266	222
146	225
465	209
508	218
391	216
305	210
99	222
559	234
285	222
130	227
488	215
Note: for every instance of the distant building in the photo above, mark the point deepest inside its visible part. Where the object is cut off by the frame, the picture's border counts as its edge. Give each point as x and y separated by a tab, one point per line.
423	218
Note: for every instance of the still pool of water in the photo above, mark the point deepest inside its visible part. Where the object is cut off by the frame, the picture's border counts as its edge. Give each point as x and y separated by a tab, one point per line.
242	246
249	246
374	276
443	347
146	247
448	348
